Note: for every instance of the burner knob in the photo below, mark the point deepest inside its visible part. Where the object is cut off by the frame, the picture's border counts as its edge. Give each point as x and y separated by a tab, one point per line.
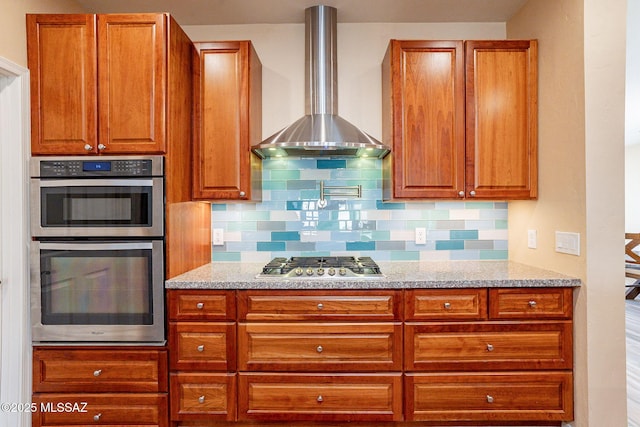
309	271
342	271
320	271
332	271
299	271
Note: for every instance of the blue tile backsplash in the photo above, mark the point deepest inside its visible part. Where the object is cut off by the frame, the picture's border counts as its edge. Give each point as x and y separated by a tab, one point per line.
290	222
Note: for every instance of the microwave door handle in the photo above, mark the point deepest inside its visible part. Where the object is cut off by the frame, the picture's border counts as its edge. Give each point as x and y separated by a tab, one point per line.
96	183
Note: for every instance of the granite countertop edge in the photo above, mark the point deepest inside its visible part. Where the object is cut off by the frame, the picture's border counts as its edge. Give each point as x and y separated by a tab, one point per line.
398	275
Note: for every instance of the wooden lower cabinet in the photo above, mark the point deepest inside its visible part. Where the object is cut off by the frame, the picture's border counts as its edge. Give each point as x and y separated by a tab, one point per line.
203	395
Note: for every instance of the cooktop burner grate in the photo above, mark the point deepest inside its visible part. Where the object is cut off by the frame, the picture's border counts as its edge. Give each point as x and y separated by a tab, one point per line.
330	266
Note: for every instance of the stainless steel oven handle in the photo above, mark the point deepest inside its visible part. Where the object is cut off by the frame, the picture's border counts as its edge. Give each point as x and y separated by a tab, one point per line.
96	182
95	246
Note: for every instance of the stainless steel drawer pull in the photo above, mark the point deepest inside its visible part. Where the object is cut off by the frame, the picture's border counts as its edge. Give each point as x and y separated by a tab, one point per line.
201	348
88	147
97	417
320	306
447	306
201	399
319	349
200	305
97	372
489	399
320	399
101	146
533	304
489	347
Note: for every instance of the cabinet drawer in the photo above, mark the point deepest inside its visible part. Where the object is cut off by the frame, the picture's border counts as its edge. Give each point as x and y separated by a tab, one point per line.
320	397
320	305
446	304
319	346
100	409
202	346
201	305
503	346
203	394
547	303
514	396
92	370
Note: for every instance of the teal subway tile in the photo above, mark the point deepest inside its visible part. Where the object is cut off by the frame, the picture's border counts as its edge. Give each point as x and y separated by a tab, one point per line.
331	164
415	224
301	185
494	255
364	163
464	234
449	245
435	214
345	174
299	164
361	246
274	185
271	225
328	225
501	224
272	205
294	205
270	246
345	235
372	174
275	163
405	256
479	205
311	194
226	256
378	235
285	175
284	235
389	205
218	206
241	226
256	215
469	255
255	236
330	246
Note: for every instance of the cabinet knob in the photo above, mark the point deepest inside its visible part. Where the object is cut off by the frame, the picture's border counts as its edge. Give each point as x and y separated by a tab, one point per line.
242	194
320	306
447	306
460	193
88	147
533	304
320	399
200	305
201	348
97	372
489	347
97	417
472	193
319	349
201	399
489	399
101	147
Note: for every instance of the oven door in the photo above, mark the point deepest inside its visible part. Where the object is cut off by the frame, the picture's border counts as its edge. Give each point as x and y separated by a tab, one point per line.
97	291
97	207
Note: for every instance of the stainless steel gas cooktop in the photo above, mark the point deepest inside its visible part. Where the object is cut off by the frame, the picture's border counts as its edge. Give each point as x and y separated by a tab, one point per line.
336	267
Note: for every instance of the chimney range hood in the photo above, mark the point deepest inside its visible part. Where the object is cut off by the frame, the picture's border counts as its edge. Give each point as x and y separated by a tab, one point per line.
321	132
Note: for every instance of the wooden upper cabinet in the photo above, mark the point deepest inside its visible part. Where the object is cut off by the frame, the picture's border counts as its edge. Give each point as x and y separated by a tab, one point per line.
98	83
227	121
461	119
423	119
502	119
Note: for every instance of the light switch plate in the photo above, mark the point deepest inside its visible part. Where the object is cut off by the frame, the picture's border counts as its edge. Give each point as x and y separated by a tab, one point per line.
568	243
217	235
532	239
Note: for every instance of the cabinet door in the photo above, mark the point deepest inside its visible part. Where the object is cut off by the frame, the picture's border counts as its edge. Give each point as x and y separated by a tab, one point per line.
423	119
227	86
132	75
502	119
62	62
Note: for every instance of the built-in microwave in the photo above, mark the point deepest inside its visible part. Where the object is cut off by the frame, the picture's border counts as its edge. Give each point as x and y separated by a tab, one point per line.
97	196
97	291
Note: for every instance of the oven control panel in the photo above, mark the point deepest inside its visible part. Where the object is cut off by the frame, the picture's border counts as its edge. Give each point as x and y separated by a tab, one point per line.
98	167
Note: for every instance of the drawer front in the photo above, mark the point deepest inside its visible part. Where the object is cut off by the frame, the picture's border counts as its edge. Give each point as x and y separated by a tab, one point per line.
66	370
518	396
320	346
515	345
320	305
446	304
201	305
202	346
100	409
203	394
320	397
529	303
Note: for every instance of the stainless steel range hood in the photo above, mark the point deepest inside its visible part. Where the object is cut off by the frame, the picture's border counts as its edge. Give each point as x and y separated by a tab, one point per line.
321	132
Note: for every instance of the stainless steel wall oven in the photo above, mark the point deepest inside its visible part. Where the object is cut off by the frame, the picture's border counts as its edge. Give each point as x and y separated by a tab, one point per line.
97	255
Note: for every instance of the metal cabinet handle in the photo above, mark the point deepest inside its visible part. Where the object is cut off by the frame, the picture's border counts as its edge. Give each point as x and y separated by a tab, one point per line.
201	399
97	372
242	194
472	193
319	349
320	399
461	193
489	347
101	147
200	305
201	348
88	147
97	417
533	304
447	306
489	399
320	306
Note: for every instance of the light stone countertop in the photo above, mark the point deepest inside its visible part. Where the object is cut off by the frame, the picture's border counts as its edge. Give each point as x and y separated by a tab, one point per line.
398	275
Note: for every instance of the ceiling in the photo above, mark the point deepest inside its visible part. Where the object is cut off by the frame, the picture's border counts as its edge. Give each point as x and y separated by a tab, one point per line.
221	12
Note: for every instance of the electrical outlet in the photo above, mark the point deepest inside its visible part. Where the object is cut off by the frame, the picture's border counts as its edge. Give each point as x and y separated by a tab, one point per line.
217	235
421	236
532	239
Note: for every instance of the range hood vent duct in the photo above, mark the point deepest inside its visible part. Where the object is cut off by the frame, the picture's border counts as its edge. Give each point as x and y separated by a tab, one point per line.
321	132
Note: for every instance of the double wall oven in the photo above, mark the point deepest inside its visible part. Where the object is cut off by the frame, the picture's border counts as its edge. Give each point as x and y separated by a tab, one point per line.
97	254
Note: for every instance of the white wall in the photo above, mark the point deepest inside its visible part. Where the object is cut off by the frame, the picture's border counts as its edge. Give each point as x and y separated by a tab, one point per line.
632	188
